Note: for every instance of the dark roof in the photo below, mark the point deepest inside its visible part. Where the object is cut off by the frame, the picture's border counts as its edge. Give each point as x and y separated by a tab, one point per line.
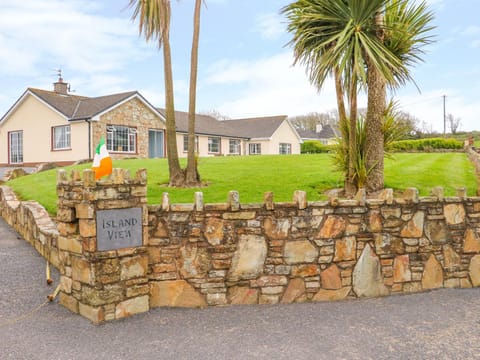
76	107
204	124
328	132
262	127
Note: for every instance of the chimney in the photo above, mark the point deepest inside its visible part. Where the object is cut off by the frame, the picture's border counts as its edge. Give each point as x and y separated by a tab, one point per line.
318	128
60	87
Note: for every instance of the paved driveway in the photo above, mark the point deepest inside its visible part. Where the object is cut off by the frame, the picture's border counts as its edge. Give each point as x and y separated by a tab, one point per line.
442	324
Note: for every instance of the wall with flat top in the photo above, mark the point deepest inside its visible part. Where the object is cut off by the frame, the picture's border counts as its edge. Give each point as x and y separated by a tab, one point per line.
197	255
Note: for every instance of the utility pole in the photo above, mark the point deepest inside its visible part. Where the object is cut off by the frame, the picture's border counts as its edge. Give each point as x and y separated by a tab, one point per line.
444	116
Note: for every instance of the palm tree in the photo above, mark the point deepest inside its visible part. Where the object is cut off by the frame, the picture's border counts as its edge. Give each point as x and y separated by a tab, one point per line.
192	176
349	40
154	23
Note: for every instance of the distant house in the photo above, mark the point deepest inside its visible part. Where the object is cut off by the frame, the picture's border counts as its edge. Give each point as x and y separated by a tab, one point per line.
57	126
326	134
253	136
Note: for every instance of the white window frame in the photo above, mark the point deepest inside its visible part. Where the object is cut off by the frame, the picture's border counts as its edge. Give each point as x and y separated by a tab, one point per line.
255	148
284	148
61	137
211	143
15	147
234	146
185	143
127	144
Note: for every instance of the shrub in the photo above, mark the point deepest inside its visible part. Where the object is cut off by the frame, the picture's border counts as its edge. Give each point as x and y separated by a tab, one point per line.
425	145
315	147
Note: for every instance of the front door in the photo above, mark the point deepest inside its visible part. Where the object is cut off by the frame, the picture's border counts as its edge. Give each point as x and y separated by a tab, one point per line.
155	144
15	147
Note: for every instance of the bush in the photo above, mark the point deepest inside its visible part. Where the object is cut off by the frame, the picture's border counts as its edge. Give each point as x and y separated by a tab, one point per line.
315	147
425	145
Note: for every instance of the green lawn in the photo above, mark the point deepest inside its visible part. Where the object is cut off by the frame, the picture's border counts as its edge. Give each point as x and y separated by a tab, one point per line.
252	176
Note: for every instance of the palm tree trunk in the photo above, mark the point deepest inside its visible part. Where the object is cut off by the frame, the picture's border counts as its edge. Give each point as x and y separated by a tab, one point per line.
176	175
192	175
374	122
352	139
342	114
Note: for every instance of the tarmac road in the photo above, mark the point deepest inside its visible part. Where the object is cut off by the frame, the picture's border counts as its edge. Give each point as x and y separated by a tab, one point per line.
442	324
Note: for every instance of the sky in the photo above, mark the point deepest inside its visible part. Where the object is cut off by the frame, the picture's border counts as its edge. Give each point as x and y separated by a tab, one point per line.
245	63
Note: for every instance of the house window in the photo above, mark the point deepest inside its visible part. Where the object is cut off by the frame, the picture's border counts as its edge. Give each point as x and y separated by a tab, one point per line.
121	139
15	140
214	145
185	143
285	148
61	137
254	149
234	146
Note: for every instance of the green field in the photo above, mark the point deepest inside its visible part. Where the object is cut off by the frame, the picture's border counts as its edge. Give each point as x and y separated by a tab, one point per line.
252	176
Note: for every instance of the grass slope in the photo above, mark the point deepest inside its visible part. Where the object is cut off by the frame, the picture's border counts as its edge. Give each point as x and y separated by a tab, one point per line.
252	176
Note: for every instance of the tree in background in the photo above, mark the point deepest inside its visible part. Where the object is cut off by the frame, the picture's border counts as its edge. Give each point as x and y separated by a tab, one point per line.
361	43
311	120
453	123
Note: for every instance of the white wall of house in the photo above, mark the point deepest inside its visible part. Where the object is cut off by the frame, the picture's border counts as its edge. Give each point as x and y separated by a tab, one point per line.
203	146
36	120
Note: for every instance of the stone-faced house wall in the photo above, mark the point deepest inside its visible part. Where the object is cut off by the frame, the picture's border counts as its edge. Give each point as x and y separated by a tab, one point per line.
132	113
200	254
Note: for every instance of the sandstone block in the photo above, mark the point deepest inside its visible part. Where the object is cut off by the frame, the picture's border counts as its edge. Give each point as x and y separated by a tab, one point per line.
175	293
401	269
331	279
472	242
302	251
474	270
242	295
132	306
276	229
414	227
69	302
133	267
454	214
332	295
334	226
367	275
94	314
249	258
214	231
345	249
432	274
294	292
193	261
82	271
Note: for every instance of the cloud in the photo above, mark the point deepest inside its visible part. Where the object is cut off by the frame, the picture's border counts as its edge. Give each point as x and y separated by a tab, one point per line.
269	26
63	33
269	86
471	30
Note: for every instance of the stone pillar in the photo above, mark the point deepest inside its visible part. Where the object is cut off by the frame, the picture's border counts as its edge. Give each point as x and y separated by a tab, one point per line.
103	232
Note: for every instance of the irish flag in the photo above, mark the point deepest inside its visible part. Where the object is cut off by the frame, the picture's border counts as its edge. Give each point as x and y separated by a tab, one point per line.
102	162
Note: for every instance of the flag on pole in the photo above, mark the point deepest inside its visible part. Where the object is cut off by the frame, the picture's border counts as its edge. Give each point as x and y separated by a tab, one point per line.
102	162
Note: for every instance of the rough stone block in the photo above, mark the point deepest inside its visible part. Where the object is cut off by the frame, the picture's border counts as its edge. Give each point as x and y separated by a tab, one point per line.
132	306
94	314
175	293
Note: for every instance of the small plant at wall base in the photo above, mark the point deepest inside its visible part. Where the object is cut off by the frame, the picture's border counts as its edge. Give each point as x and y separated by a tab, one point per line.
392	131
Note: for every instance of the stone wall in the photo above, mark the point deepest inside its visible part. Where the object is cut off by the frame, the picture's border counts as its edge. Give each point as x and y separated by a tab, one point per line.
132	113
311	251
474	156
32	222
196	255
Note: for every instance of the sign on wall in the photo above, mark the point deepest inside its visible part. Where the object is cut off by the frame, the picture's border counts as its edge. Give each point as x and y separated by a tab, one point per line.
119	228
